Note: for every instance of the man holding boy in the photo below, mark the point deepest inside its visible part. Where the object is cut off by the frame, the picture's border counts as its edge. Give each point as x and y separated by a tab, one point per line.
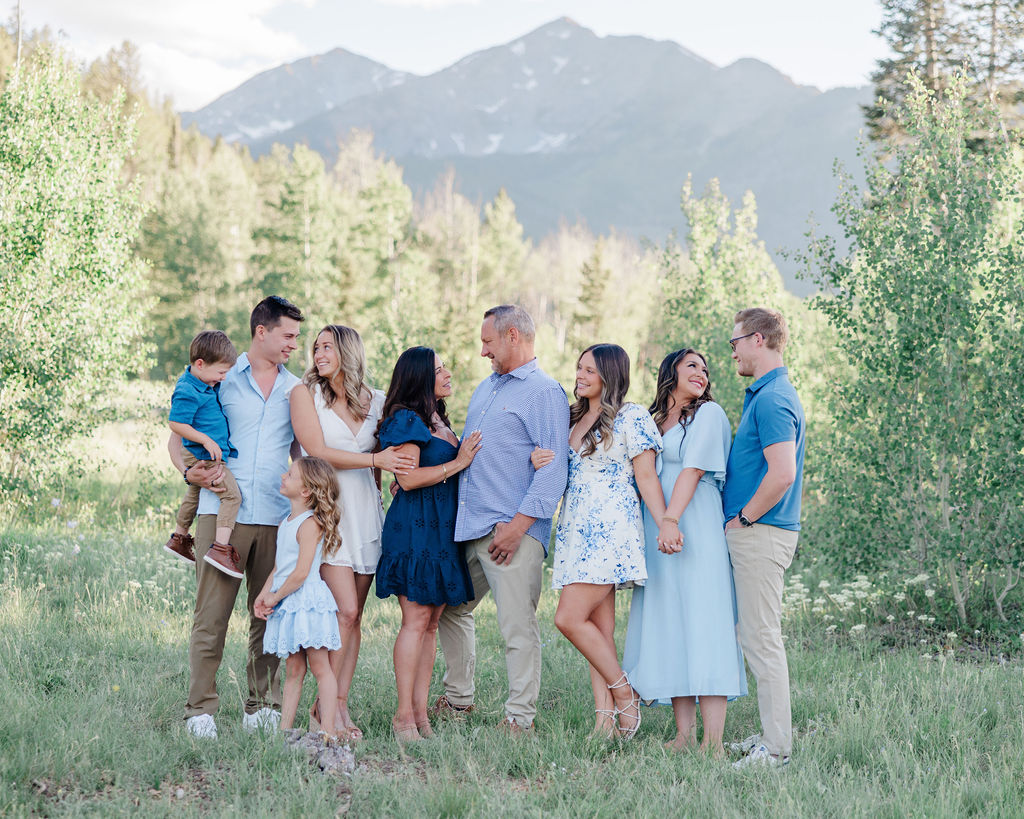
762	511
255	397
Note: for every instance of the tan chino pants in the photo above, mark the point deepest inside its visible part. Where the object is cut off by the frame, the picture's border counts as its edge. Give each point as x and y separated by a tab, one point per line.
760	555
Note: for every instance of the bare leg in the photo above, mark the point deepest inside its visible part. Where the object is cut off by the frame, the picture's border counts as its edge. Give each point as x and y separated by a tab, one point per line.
574	618
685	710
424	673
604	723
224	534
350	591
295	673
326	685
407	656
712	714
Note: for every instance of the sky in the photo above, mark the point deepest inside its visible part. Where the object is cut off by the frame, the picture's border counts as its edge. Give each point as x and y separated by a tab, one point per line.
195	50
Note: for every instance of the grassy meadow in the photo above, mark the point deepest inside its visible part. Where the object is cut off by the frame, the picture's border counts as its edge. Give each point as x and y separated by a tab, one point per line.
892	720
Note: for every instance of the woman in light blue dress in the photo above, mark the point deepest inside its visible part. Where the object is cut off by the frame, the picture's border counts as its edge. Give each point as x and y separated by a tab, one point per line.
681	643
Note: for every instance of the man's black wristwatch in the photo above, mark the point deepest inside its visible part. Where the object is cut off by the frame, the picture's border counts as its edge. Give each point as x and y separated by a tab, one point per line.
743	519
185	476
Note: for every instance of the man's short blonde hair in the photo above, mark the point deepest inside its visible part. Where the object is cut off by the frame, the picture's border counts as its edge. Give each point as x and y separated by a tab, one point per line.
769	323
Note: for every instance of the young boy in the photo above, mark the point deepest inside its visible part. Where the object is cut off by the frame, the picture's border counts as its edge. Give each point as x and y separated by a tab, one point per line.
197	416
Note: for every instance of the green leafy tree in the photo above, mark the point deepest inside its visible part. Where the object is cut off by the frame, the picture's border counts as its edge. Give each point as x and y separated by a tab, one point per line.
725	268
926	460
70	286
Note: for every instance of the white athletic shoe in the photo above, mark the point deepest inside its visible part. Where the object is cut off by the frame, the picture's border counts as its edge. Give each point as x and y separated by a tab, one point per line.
202	726
760	756
746	746
266	718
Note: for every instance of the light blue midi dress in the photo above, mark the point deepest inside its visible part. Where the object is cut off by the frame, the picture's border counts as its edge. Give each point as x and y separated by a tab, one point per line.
681	639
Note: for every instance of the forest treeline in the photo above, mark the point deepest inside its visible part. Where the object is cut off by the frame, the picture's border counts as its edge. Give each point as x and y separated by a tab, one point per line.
121	235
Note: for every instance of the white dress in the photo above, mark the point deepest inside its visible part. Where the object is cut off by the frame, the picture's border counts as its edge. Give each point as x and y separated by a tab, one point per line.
600	535
362	514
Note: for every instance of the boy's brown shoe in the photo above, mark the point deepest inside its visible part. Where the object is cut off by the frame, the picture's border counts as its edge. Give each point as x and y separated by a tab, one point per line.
444	709
181	546
224	558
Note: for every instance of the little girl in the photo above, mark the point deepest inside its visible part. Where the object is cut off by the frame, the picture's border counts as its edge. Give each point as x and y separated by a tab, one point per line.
301	615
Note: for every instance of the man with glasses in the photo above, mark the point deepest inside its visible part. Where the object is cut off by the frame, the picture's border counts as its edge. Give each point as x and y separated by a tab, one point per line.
762	511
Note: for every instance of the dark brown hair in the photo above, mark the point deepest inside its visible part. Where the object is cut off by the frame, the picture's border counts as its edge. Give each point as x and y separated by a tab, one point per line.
613	367
668	379
213	347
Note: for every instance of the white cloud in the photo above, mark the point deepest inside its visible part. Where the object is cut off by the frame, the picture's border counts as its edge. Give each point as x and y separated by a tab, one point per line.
429	4
193	50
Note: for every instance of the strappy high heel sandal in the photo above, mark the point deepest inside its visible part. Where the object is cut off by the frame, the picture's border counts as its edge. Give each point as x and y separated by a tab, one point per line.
634	705
612	731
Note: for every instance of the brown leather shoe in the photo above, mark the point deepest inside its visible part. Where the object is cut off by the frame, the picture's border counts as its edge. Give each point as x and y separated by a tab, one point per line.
223	557
514	729
444	709
181	546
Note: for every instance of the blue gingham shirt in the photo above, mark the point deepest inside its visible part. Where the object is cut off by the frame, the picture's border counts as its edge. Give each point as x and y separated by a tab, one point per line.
515	412
261	430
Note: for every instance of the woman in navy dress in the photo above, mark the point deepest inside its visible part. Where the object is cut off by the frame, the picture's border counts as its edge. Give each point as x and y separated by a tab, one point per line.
420	561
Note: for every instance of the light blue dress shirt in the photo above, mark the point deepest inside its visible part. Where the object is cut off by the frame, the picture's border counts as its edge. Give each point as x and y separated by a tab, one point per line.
261	431
515	412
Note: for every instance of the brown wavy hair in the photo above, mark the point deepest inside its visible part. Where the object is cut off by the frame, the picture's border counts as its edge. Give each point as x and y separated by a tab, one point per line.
412	388
668	379
351	365
319	478
613	368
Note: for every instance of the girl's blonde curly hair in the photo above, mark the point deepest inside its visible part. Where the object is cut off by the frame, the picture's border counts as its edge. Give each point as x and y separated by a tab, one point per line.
324	499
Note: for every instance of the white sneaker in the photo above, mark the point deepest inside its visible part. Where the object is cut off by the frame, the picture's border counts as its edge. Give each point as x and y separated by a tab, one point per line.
202	726
746	746
266	718
760	756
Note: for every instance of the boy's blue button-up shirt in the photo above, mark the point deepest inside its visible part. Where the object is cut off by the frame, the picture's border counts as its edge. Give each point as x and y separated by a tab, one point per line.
261	430
515	412
196	403
772	413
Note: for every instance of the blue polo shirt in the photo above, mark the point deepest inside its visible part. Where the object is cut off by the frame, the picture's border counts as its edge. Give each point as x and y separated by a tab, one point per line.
772	413
197	404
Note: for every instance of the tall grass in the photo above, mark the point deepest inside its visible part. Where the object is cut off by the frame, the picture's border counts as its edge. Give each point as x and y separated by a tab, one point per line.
93	637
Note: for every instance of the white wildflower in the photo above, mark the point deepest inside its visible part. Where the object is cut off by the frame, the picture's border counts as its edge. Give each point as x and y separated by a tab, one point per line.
929	593
899	597
72	524
857	629
134	585
889	618
824	584
54	502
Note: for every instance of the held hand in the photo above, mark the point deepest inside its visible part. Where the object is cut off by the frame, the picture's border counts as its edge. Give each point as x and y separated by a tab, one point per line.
262	607
214	450
506	542
468	448
394	488
393	461
670	539
541	457
208	474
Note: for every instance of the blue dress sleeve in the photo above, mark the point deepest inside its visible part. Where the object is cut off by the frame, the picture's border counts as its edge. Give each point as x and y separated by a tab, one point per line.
404	427
640	431
707	443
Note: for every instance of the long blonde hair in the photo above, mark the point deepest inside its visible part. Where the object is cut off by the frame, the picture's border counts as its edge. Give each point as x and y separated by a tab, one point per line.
351	365
613	367
324	499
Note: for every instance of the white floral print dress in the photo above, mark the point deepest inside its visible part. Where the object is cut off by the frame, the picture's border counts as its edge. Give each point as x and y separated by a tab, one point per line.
600	535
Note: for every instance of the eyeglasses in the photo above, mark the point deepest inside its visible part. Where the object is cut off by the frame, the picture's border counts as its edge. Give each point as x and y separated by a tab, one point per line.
732	341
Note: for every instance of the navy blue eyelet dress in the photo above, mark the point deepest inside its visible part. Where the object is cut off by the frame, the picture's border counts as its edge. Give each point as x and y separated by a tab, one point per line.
419	556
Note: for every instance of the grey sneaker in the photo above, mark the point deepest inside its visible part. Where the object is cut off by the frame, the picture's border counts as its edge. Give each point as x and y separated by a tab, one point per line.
266	719
761	756
746	746
202	726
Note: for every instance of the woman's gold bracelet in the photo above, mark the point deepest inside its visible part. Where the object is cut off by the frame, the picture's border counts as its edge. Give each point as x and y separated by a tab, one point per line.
668	517
372	464
444	470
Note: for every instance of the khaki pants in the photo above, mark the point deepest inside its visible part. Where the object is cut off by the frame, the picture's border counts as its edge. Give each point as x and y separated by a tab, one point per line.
760	556
215	597
516	587
230	498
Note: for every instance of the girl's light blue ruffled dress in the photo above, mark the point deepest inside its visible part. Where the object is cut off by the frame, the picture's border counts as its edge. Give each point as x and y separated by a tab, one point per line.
308	617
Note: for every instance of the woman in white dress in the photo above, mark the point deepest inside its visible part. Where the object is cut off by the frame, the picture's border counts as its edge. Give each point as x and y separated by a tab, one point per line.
335	417
599	542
